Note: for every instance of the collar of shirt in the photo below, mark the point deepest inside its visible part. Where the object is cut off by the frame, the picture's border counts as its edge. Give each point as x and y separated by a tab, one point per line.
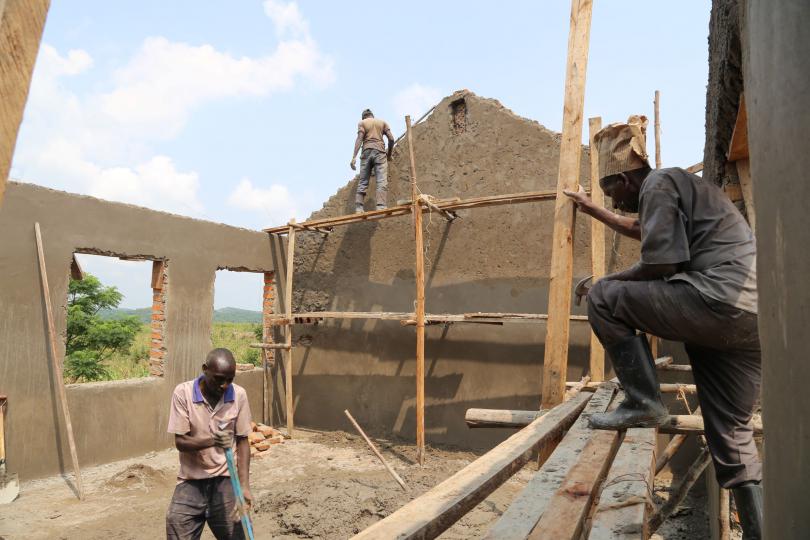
230	394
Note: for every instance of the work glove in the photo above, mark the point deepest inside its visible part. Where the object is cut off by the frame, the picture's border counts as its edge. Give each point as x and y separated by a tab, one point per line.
352	165
223	439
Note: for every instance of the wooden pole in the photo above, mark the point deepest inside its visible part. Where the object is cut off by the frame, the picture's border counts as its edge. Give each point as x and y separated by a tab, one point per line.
597	357
288	300
555	361
377	453
56	362
419	314
657	130
724	515
674	444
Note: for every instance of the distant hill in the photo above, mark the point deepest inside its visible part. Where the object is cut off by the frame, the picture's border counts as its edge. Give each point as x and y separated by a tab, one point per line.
227	314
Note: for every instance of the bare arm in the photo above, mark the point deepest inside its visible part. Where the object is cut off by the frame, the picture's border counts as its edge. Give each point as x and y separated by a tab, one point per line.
243	467
644	272
390	137
187	443
358	142
624	225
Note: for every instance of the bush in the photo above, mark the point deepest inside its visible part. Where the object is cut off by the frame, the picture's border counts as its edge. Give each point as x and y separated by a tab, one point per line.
252	356
85	366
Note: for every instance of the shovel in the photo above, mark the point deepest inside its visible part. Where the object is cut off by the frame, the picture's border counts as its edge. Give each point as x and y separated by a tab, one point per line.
9	483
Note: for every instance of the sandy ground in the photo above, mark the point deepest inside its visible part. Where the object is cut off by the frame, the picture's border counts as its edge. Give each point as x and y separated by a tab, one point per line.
319	485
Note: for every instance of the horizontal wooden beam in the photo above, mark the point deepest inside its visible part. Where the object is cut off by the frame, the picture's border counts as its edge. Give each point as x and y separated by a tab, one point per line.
675	367
270	346
407	319
406	209
432	513
666	388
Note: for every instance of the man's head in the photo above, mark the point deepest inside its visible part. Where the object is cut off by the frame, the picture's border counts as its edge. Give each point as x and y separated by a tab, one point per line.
367	114
623	166
218	371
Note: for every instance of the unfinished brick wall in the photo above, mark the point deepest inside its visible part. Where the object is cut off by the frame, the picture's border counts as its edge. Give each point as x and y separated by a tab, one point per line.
268	310
157	349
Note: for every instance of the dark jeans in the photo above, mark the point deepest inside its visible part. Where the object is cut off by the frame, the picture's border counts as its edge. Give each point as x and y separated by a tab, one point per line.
723	347
196	502
371	158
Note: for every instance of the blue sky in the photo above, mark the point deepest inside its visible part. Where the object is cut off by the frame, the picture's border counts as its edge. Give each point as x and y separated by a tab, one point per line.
245	112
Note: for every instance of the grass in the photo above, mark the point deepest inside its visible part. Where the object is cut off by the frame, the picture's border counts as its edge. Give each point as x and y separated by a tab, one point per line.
134	363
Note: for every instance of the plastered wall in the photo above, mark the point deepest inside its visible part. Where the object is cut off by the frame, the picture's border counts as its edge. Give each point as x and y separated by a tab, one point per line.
111	420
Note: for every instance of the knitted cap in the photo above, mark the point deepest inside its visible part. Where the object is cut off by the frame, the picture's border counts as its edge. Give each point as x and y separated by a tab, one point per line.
622	147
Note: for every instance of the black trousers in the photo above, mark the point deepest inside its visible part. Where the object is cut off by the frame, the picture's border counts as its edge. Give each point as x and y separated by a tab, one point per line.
196	502
723	347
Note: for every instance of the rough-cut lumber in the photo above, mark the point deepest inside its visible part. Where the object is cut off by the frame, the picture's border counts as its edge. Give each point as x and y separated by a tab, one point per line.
665	388
675	367
288	300
269	346
529	506
696	168
625	501
432	513
679	494
555	362
598	266
674	445
744	174
76	271
407	209
693	423
21	24
377	453
158	268
408	319
724	515
738	147
56	361
419	315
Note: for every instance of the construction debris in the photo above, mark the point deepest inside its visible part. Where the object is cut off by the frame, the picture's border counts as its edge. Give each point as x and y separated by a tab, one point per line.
262	438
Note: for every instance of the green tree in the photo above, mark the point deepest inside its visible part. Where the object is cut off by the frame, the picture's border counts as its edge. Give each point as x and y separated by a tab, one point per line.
90	339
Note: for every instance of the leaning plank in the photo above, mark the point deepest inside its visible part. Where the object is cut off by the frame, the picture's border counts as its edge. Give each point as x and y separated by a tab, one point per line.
288	300
677	496
623	506
561	270
56	361
432	513
526	510
598	265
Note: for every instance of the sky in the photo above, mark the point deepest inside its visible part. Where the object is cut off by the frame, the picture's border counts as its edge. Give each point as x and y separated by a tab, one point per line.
245	112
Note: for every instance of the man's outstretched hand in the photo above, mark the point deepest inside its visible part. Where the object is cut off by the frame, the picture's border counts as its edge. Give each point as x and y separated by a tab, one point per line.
580	198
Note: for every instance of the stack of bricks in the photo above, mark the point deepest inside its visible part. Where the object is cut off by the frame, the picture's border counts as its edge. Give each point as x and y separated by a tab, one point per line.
262	438
157	349
268	309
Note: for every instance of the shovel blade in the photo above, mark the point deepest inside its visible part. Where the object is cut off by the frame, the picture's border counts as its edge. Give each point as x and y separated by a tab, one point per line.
9	487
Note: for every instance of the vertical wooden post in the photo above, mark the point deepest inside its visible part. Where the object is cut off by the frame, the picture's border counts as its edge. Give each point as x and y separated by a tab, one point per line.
597	360
420	305
654	340
724	515
555	362
288	300
56	362
21	24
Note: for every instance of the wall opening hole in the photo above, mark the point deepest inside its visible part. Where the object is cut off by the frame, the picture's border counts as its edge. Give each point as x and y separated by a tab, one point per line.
458	113
116	318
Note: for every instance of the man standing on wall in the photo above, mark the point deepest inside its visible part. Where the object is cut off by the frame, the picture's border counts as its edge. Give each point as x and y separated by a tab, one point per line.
370	133
208	415
695	283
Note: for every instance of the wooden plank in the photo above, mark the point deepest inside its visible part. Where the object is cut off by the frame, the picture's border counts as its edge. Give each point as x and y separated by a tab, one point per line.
288	300
377	453
21	24
598	266
434	512
747	188
56	361
675	367
450	205
419	315
76	271
625	501
158	268
696	168
528	507
555	362
738	147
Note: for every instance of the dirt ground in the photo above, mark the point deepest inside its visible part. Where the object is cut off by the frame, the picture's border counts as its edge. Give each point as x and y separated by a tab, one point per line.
319	485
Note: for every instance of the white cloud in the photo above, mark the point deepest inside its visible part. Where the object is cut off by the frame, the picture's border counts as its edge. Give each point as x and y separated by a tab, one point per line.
416	100
106	143
275	203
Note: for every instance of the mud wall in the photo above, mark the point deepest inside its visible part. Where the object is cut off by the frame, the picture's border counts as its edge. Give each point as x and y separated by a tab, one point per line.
491	260
111	420
777	85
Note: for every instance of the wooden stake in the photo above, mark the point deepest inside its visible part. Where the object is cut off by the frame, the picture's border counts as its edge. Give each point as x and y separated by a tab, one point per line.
377	453
57	363
597	359
288	300
555	362
419	314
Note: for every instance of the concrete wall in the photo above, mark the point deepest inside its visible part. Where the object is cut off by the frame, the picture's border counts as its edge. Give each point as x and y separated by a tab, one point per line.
111	420
777	85
491	259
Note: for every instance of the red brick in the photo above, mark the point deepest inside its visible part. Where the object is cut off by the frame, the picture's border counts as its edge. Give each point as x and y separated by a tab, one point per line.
255	437
261	446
